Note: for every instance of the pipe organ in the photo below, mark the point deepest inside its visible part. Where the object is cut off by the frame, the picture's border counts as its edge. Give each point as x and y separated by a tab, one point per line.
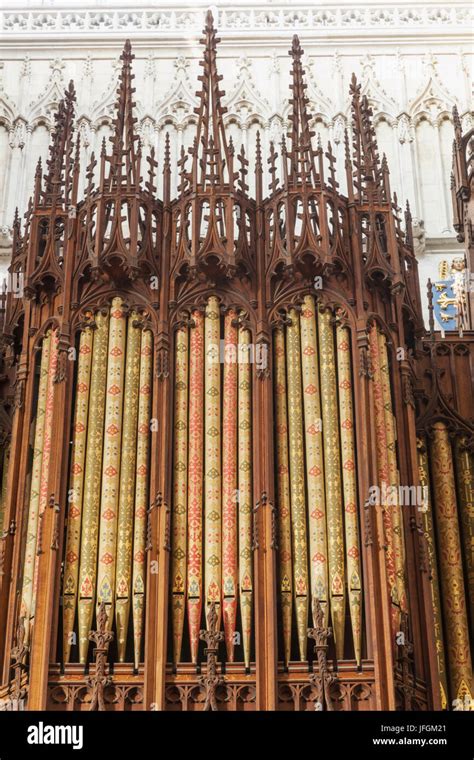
446	492
225	432
212	508
315	453
104	557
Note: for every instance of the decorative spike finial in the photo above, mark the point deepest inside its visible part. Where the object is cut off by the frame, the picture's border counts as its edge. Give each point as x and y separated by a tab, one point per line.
152	165
273	185
258	151
211	151
209	24
77	154
368	175
90	174
457	126
408	226
125	159
301	155
347	149
243	170
431	321
258	169
57	177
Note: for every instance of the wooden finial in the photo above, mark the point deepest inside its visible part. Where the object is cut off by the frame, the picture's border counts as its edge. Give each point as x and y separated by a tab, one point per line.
18	656
98	682
431	321
211	155
302	169
273	185
323	679
212	637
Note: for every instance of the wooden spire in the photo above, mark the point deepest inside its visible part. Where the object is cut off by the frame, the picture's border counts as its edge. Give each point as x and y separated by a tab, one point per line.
59	164
210	151
368	174
125	158
301	154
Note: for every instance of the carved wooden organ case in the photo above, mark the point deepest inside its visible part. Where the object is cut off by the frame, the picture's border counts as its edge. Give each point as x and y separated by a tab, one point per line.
199	395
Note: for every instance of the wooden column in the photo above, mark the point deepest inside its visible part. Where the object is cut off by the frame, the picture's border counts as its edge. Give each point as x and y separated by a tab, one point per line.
265	543
17	497
265	528
377	604
162	479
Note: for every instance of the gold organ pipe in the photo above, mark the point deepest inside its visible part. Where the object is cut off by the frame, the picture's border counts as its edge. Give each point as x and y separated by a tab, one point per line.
46	459
230	496
429	531
451	571
111	460
351	524
245	489
180	467
397	515
332	469
283	492
76	490
92	484
314	456
195	481
212	454
465	482
297	481
141	491
126	499
34	501
383	475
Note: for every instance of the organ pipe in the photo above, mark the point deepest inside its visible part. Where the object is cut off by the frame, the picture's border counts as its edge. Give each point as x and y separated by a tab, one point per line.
76	489
283	492
46	458
349	484
465	485
141	492
127	484
34	500
451	570
315	477
383	475
195	481
180	468
230	495
332	469
429	531
113	428
297	479
92	484
245	490
212	457
393	476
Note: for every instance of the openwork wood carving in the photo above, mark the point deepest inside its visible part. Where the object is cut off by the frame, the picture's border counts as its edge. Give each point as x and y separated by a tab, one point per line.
225	495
